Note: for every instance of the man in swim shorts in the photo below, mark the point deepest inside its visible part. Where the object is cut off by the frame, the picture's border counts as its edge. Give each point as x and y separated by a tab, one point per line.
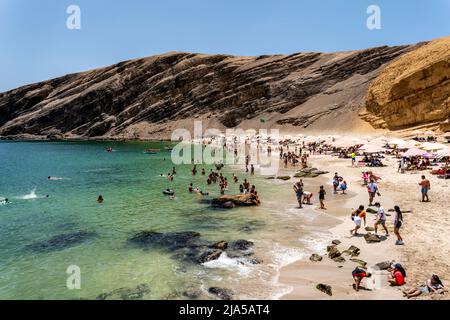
425	187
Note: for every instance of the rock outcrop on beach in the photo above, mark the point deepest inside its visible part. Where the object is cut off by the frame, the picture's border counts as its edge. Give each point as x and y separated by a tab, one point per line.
149	97
413	90
231	201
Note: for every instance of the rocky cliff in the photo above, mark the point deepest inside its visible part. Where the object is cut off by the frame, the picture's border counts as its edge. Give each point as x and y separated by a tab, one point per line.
413	90
149	97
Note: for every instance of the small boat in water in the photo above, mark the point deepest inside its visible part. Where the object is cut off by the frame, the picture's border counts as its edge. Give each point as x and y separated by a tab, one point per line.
151	151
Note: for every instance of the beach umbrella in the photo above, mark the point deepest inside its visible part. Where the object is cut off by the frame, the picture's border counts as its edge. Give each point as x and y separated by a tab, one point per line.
372	148
432	146
444	152
396	142
429	155
343	144
413	152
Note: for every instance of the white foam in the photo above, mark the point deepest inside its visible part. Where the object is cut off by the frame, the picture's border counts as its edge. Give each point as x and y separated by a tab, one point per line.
32	195
283	256
317	241
235	264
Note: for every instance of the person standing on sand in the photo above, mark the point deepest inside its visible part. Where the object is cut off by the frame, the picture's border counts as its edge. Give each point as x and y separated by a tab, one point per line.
372	188
357	217
252	170
322	194
398	220
381	218
353	158
426	186
298	188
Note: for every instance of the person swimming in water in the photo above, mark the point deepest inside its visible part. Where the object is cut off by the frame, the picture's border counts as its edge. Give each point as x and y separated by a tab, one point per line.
4	201
99	199
191	188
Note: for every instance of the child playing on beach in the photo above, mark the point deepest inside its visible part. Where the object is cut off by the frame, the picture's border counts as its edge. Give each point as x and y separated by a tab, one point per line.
343	186
397	276
307	197
358	274
357	217
322	194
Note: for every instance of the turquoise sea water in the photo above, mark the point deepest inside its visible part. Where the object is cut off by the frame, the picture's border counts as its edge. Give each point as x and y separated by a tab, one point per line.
129	181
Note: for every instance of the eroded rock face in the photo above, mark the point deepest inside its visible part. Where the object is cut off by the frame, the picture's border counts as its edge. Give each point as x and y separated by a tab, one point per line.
412	90
144	98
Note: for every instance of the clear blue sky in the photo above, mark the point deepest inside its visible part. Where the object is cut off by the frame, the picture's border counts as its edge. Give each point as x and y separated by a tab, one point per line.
35	44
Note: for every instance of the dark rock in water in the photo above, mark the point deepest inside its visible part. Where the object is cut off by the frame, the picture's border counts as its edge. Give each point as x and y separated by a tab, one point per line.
370	210
126	293
383	265
255	261
223	294
221	245
329	248
209	255
370	229
171	240
62	241
339	259
315	257
241	245
270	178
285	178
361	263
191	293
334	253
372	238
325	288
246	229
228	205
231	201
336	242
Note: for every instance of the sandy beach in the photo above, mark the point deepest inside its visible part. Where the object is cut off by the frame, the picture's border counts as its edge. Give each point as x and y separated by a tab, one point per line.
424	231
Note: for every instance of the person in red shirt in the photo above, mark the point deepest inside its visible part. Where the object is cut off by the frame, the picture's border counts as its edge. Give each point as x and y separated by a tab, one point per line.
359	274
398	275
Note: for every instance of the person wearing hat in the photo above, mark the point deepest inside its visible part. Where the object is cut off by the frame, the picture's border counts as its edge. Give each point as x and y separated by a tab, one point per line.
398	275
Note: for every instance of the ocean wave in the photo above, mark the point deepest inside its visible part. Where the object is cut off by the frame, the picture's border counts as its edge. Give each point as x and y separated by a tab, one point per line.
317	241
239	265
31	196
